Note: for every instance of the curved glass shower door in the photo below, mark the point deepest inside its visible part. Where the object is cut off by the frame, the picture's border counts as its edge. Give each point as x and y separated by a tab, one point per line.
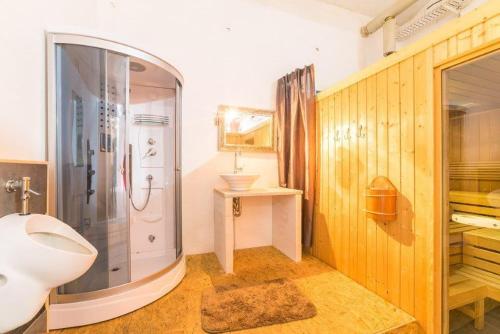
92	152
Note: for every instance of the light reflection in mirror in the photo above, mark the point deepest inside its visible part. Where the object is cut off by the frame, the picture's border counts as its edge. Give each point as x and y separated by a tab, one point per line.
246	129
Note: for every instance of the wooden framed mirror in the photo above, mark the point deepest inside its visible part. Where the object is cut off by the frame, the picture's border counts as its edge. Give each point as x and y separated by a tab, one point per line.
246	129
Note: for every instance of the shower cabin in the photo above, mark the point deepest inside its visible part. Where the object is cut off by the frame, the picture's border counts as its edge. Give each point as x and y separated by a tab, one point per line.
471	175
114	152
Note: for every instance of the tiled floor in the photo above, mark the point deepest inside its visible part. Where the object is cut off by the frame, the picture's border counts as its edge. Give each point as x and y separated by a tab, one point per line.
342	305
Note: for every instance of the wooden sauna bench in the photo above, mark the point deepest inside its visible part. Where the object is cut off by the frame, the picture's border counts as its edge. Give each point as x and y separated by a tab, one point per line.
456	239
474	256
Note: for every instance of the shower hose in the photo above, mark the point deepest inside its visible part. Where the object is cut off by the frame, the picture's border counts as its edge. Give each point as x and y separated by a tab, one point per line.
149	178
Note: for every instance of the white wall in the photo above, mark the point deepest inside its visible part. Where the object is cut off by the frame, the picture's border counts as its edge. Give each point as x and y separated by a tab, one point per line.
372	49
229	51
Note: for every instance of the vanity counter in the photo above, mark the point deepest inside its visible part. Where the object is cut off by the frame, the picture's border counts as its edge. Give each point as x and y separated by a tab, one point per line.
278	191
279	208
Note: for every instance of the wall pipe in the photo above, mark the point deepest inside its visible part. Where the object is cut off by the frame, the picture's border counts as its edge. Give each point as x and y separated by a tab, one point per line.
379	20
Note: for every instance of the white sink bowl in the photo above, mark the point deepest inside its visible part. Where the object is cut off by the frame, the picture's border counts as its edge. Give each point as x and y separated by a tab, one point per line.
240	182
37	253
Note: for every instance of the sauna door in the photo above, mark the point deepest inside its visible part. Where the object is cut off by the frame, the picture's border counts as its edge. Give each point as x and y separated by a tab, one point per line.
471	112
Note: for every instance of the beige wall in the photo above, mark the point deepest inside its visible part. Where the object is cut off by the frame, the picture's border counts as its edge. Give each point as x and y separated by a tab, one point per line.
229	52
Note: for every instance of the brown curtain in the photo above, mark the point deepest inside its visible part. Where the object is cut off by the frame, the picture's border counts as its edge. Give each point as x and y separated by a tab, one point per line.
296	132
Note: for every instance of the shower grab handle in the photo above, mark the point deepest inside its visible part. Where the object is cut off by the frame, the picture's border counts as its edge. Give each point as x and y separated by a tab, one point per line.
130	165
123	171
149	178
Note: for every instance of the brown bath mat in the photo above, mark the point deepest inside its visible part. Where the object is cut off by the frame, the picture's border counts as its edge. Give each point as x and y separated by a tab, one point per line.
273	302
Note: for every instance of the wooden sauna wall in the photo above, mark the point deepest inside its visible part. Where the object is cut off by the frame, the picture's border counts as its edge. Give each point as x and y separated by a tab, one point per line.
381	122
474	153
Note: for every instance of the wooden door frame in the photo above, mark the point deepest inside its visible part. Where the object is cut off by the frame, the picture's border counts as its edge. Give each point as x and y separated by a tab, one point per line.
441	232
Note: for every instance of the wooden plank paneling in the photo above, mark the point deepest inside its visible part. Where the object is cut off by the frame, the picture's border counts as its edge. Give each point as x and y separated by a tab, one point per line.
324	179
387	109
317	245
424	158
338	179
394	175
478	35
464	41
345	183
479	210
353	181
483	238
371	170
382	170
362	182
331	176
441	51
484	136
407	190
470	151
481	264
452	47
323	217
492	28
493	256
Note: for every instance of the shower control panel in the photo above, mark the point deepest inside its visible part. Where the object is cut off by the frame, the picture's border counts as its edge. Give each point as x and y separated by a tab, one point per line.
107	115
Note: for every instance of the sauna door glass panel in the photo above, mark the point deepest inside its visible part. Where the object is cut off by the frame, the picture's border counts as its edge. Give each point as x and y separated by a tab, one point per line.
91	159
471	109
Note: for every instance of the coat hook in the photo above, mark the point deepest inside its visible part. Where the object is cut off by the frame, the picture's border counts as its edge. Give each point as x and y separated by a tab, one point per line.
361	133
347	135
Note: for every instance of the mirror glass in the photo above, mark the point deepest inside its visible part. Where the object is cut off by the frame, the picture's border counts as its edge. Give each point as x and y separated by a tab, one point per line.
245	129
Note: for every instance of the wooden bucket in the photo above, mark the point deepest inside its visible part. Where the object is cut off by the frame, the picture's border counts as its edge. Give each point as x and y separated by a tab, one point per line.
381	200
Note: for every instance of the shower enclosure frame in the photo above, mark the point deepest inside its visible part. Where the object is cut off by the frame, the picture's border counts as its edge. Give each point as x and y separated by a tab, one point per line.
441	242
150	285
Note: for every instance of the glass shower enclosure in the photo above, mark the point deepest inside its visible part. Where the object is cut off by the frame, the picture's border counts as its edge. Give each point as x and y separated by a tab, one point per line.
91	159
114	150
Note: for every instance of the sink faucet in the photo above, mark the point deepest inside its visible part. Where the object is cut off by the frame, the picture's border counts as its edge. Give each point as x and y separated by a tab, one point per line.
12	185
237	167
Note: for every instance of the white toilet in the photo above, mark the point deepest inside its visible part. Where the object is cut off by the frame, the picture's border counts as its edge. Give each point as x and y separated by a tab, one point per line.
37	253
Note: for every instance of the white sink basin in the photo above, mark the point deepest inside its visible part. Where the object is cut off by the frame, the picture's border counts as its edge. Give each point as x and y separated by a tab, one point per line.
37	253
240	182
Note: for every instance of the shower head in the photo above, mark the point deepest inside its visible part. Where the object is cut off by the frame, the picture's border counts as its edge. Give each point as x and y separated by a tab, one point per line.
137	67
